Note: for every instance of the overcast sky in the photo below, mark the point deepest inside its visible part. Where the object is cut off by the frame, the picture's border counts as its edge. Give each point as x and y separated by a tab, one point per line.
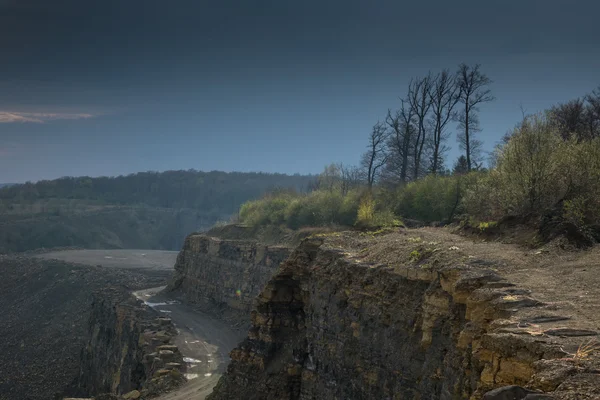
111	87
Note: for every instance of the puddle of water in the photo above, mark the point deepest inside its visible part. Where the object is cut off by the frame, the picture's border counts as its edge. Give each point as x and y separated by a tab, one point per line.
165	311
191	360
154	304
190	376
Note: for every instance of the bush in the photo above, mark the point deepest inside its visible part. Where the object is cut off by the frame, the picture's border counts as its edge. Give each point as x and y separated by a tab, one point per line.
537	173
318	208
433	198
373	214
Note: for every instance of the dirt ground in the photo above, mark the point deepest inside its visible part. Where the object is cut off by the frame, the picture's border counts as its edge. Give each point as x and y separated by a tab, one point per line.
147	260
567	281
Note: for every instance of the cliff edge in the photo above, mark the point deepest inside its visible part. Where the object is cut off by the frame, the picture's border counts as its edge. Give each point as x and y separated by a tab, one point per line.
223	277
420	314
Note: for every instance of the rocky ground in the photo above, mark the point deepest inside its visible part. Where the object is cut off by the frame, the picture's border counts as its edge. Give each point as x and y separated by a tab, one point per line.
423	313
204	341
569	280
45	311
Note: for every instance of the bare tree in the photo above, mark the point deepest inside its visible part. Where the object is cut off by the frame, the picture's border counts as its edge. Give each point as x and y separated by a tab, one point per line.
474	91
444	95
351	176
330	178
579	117
376	155
400	142
420	103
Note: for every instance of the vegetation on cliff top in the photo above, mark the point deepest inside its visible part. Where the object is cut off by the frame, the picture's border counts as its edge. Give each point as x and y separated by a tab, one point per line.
545	173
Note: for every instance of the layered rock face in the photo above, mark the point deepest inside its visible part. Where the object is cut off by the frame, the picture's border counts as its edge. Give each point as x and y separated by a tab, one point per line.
223	277
328	326
129	349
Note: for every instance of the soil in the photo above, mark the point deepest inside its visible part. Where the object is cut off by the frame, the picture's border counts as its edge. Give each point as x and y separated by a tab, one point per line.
568	281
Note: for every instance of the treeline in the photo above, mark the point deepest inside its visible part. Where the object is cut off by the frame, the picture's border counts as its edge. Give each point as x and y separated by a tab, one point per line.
144	210
217	192
545	171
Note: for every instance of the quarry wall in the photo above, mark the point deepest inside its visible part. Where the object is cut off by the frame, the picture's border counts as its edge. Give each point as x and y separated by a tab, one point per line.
327	326
129	350
223	277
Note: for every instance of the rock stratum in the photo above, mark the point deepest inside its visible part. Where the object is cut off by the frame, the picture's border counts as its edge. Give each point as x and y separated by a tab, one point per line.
354	316
130	351
223	277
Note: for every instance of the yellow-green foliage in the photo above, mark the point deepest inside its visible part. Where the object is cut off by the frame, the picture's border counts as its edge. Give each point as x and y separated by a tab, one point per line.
318	208
366	212
372	215
268	210
486	225
414	256
536	170
433	198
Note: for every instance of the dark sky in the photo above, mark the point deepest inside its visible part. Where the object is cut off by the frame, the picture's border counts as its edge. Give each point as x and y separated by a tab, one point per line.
118	86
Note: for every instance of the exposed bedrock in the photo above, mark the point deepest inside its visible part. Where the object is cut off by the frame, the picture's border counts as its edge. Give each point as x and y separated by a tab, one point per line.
327	326
223	277
129	350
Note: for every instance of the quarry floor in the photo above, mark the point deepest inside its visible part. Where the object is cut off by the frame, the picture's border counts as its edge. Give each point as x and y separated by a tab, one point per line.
204	341
159	262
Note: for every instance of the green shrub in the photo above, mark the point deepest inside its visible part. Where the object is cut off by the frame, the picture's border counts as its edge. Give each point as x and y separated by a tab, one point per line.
537	171
433	198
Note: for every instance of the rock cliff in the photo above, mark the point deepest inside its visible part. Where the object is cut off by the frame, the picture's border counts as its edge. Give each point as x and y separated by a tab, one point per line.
223	277
335	324
129	349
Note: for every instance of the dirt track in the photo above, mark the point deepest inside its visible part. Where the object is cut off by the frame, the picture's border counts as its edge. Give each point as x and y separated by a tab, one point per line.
204	342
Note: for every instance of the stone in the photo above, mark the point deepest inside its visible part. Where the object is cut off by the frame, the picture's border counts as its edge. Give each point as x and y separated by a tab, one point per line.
233	273
508	393
133	395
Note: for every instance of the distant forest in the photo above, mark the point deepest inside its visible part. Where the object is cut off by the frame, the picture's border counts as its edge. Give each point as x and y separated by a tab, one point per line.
142	210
